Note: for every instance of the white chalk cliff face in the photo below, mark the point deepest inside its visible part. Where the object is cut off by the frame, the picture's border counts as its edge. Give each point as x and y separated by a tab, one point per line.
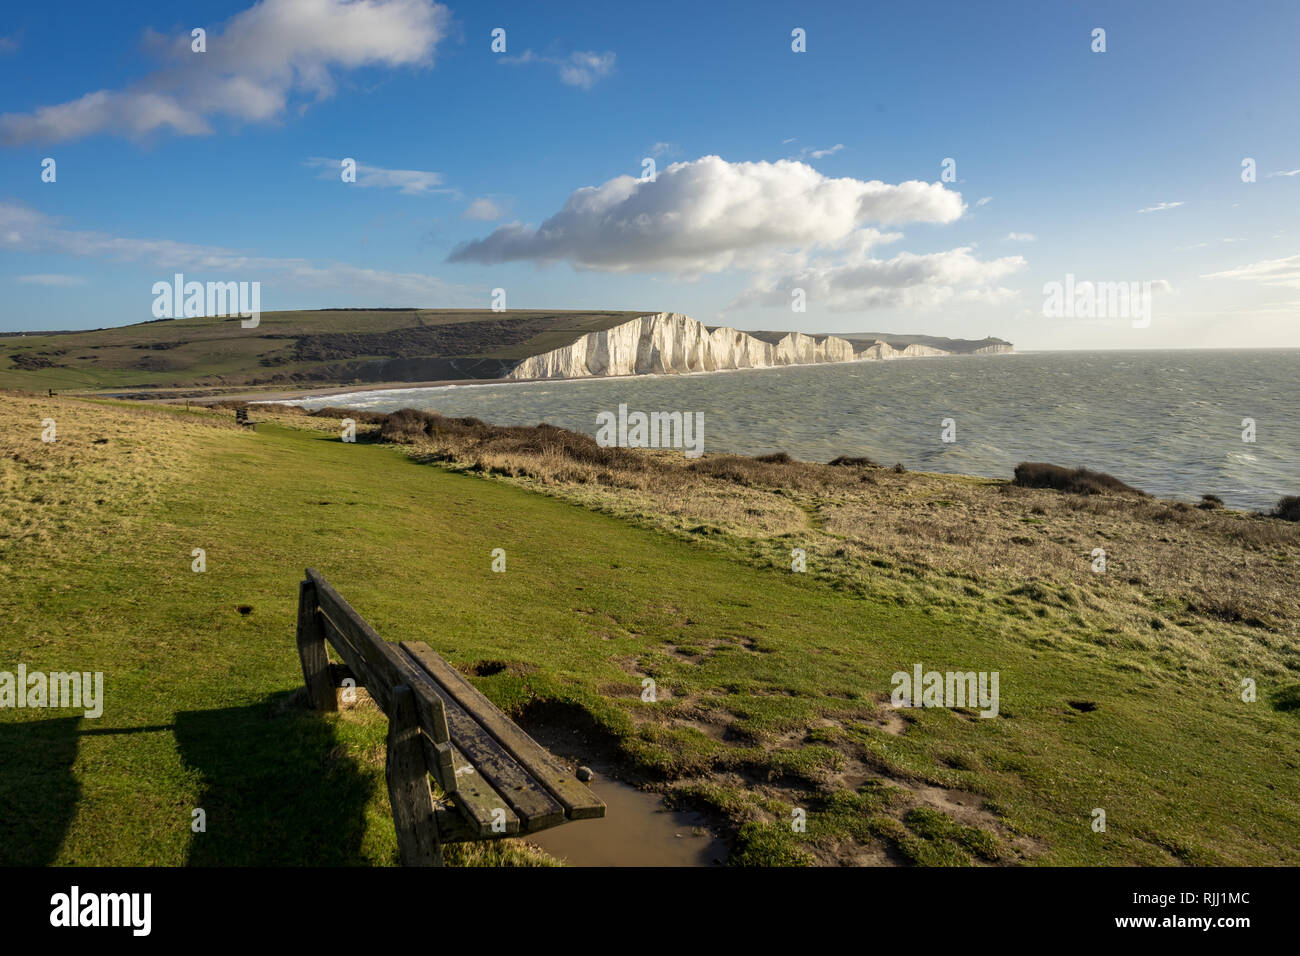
668	342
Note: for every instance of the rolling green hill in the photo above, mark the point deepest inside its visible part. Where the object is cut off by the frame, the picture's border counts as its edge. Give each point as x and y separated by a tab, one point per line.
338	346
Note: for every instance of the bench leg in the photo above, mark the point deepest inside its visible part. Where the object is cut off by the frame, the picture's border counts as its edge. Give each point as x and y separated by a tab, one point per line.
408	785
311	650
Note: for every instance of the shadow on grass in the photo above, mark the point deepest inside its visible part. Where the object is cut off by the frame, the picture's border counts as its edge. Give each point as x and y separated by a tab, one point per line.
38	790
278	788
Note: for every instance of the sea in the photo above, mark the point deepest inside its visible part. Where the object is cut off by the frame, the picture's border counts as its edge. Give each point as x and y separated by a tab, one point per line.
1177	424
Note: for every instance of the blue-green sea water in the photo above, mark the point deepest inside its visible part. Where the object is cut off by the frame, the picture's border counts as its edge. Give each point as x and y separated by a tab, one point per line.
1169	422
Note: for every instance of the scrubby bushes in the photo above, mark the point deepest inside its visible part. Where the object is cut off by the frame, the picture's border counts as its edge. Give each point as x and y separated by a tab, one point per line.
1288	508
1079	481
476	437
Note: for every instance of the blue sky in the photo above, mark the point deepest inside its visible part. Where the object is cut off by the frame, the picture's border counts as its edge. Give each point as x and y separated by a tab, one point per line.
819	170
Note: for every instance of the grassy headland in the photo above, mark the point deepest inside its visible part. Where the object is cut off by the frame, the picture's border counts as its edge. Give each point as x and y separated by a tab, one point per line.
337	346
1120	690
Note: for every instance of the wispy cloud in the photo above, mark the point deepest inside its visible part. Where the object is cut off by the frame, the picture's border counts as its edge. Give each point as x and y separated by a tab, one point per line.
581	68
410	182
1021	237
8	45
1158	207
484	210
1284	172
51	279
809	152
983	201
1271	272
259	60
23	229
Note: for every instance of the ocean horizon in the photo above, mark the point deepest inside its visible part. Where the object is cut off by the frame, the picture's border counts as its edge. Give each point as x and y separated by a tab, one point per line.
1175	423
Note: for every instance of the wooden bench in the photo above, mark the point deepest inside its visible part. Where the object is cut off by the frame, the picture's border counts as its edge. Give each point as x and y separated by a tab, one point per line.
499	781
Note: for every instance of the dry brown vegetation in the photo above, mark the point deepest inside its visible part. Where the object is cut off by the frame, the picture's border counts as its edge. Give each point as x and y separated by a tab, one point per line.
1172	571
103	468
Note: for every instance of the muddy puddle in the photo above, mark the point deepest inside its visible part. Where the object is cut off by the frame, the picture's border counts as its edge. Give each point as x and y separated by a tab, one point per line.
635	831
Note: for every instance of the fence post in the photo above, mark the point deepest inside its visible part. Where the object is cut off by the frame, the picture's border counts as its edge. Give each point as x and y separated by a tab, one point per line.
311	651
408	785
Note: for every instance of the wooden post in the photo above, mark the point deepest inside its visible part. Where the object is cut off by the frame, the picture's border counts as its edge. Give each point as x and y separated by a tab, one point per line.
408	785
311	651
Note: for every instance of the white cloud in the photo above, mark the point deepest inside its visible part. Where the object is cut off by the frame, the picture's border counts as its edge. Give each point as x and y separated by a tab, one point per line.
660	149
1270	272
1163	205
907	280
1021	237
483	210
1284	172
410	182
983	201
51	279
708	215
580	68
262	57
23	229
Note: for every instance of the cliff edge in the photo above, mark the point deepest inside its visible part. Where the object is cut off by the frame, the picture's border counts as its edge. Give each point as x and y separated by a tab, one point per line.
668	342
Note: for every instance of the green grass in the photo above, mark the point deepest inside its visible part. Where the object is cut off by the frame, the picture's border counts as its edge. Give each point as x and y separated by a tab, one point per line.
218	351
198	710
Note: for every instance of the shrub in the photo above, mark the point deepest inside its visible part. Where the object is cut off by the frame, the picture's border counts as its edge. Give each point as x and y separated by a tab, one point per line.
776	458
1079	481
1288	508
1209	502
843	461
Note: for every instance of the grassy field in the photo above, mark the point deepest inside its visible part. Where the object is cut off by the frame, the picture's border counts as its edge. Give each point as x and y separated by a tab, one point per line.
773	686
317	347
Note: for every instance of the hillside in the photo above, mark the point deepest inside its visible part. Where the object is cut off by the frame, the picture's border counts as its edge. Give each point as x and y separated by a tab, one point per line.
336	347
1119	691
310	348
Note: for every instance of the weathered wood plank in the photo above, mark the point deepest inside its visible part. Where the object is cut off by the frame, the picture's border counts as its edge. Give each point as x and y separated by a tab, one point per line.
408	785
502	788
483	809
577	799
375	685
386	667
479	800
311	651
536	809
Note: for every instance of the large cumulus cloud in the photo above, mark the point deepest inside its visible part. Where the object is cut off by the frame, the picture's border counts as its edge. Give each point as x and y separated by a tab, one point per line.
708	215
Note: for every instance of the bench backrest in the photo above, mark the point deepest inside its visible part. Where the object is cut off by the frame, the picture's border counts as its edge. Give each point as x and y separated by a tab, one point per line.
501	780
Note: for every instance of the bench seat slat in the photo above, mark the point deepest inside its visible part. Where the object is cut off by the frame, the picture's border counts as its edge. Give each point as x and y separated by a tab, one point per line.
536	808
578	801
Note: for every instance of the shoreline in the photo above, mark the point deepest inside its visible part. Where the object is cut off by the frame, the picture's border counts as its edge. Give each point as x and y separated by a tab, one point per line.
300	395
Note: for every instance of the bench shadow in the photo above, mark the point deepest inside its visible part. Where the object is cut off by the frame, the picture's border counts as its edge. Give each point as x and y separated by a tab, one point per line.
38	789
279	789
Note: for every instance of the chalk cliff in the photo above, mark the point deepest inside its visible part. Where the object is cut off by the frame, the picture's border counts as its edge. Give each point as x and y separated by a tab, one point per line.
668	342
